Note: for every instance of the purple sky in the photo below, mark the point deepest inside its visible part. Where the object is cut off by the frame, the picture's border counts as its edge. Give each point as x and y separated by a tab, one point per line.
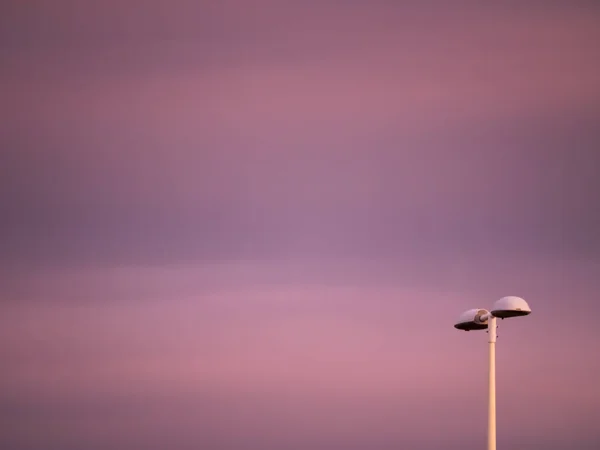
252	224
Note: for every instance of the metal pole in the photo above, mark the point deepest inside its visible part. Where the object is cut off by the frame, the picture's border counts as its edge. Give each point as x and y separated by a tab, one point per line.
492	384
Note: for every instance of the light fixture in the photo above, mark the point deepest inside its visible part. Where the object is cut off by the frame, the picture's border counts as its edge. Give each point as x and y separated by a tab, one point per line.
482	319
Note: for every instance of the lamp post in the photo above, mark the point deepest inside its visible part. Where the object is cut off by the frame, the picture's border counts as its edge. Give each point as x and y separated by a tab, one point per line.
481	319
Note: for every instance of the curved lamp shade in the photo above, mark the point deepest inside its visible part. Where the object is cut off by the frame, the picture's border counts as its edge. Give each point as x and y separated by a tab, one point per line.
471	320
510	306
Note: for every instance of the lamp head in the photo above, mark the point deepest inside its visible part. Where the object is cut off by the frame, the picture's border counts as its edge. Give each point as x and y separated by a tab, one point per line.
472	320
510	306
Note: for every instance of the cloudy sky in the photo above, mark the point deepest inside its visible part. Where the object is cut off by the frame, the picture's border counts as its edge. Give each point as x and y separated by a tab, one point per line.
251	224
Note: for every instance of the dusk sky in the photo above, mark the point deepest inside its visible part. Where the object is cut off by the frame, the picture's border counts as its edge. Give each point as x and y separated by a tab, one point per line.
251	225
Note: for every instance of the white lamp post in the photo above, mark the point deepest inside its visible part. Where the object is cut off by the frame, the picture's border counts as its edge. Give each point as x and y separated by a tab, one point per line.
481	319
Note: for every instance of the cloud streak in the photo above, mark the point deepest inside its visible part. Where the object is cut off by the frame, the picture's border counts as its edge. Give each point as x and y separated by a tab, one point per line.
250	224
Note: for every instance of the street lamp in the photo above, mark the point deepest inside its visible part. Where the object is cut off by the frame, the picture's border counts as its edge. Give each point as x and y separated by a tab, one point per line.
481	319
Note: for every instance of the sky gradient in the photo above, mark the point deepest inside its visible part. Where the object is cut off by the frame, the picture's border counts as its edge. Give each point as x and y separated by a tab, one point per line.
252	224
